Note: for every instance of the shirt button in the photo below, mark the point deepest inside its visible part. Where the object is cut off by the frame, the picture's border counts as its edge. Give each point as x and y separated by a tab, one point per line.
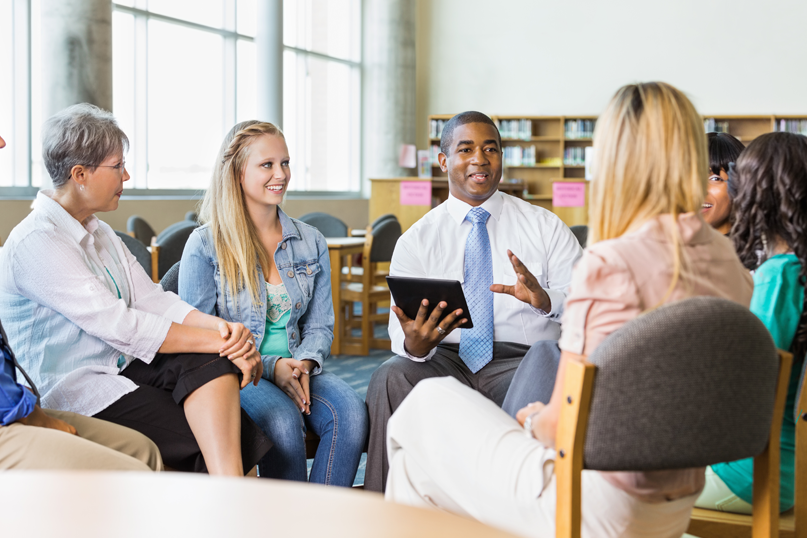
290	274
283	246
308	270
298	305
294	335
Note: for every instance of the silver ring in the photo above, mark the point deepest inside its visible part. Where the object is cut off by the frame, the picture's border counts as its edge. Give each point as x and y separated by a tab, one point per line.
441	330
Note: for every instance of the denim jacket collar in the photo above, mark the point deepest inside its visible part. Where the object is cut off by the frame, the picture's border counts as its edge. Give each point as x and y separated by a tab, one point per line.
288	225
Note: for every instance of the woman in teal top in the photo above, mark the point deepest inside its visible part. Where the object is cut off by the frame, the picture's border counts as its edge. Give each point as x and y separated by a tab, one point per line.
769	190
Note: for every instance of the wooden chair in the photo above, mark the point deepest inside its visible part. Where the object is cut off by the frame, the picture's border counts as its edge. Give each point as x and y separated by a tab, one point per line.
141	230
792	523
390	228
668	391
166	248
368	292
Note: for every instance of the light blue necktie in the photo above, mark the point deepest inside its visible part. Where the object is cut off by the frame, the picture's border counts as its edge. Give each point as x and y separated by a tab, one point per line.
476	345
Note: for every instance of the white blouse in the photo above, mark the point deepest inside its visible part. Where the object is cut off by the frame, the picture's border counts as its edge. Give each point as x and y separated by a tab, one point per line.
60	283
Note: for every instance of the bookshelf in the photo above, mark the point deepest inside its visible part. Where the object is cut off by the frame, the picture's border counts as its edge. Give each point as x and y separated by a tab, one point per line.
560	143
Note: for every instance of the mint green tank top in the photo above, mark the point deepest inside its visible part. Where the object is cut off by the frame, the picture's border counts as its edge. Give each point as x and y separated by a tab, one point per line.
278	311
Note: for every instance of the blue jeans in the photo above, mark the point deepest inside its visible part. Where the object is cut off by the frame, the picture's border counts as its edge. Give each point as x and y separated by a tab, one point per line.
338	416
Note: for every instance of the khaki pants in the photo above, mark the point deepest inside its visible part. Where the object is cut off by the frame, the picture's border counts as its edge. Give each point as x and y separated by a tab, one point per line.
99	445
451	448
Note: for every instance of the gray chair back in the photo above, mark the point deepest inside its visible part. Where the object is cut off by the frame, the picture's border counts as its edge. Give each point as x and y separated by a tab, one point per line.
181	225
328	225
170	280
580	231
192	216
172	244
385	235
382	218
143	232
138	250
688	384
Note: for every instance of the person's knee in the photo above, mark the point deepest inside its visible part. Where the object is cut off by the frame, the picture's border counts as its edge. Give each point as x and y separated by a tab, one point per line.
145	451
544	349
392	373
285	428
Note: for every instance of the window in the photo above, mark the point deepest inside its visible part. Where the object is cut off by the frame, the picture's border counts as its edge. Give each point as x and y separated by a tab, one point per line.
184	71
321	93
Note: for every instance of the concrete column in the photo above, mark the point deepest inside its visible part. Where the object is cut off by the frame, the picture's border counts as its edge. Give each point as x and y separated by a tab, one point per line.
388	86
76	54
269	71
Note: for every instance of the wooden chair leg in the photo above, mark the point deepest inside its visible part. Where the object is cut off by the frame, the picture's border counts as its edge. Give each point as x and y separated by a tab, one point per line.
765	514
570	441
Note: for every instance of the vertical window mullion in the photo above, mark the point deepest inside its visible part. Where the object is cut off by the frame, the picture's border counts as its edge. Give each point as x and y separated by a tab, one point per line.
22	93
141	102
230	43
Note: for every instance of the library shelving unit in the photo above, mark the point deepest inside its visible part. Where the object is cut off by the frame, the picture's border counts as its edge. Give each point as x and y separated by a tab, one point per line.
552	139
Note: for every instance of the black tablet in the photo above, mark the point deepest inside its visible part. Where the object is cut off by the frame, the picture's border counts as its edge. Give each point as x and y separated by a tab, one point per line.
409	292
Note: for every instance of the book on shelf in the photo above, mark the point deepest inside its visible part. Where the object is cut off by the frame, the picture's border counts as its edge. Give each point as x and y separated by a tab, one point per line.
436	128
791	126
579	129
515	129
710	125
434	151
574	156
520	156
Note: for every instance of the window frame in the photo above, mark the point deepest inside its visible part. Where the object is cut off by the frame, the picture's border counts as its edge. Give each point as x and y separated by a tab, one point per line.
22	99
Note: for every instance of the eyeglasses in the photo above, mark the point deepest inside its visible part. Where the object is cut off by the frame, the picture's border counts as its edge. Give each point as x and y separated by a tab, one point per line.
119	167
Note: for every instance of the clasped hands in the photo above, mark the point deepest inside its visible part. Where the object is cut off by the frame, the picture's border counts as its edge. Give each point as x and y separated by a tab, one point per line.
424	332
291	375
239	346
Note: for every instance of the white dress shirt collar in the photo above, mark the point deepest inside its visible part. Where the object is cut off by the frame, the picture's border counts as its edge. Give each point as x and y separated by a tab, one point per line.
57	214
459	209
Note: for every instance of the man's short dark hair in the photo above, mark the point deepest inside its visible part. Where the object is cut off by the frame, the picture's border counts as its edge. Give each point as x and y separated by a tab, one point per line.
464	118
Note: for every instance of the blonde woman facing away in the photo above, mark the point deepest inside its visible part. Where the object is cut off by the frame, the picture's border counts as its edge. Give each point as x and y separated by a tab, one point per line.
98	337
252	264
648	245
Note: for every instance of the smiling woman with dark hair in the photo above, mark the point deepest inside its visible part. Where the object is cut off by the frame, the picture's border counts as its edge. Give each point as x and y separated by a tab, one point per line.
770	235
723	149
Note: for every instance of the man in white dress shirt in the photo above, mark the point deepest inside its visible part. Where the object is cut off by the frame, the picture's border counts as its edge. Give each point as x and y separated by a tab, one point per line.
515	262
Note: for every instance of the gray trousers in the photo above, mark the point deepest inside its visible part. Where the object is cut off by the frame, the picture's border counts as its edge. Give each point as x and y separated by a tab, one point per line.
396	378
535	378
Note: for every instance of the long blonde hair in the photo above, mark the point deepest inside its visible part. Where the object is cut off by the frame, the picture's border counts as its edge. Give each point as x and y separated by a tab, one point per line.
224	210
651	158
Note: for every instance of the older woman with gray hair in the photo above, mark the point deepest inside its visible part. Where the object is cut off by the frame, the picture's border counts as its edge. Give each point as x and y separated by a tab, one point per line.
98	337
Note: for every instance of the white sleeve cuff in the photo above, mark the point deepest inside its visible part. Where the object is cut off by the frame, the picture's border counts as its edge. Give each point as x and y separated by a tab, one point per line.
178	311
425	358
556	298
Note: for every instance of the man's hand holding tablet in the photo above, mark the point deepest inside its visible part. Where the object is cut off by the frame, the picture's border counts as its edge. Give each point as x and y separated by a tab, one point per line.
526	289
427	330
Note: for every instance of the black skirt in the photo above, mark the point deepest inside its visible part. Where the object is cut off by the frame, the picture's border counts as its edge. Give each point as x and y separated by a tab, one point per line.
155	408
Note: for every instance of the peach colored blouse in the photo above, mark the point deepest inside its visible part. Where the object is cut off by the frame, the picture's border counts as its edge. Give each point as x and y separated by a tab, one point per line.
618	279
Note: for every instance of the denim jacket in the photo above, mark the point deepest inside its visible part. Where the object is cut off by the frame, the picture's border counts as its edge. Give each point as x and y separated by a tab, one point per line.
304	265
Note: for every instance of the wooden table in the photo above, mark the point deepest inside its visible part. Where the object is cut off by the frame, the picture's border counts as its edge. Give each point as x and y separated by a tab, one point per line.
338	248
101	504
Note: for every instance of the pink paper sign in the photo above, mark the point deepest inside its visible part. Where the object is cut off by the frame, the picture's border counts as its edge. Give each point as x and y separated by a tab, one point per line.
416	193
568	194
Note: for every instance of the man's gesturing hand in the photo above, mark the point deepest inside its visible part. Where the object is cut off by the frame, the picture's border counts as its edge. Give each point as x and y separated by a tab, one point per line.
424	332
526	289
